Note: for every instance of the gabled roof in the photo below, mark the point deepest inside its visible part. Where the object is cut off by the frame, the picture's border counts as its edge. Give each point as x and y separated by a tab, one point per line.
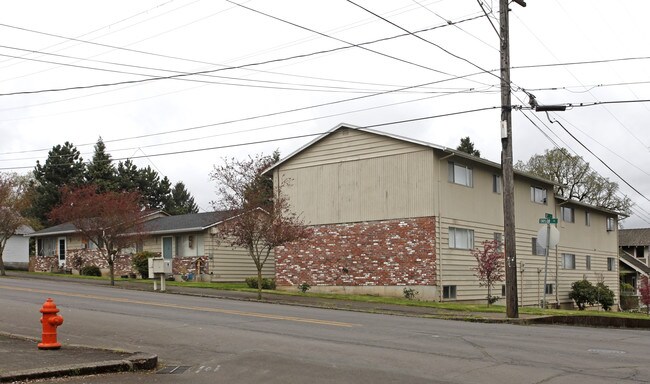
409	140
634	237
193	222
61	229
24	230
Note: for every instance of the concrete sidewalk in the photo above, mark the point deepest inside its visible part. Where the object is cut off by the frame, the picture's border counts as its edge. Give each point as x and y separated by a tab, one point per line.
22	360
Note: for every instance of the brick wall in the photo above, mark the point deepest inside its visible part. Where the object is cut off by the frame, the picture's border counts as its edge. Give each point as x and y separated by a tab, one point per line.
378	253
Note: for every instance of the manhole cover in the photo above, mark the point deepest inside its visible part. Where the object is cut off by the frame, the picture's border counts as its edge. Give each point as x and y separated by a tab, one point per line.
174	369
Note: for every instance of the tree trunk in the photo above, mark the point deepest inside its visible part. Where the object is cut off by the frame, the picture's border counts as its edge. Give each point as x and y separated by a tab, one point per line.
2	263
259	283
489	298
111	267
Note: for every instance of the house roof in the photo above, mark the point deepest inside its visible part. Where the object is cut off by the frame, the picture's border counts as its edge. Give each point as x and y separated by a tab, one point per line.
592	207
161	225
409	140
634	237
24	230
185	223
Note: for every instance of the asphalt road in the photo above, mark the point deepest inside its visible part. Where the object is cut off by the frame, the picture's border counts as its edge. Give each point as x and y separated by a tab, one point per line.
242	342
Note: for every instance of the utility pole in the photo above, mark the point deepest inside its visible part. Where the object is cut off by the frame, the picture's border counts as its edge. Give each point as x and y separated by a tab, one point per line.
512	301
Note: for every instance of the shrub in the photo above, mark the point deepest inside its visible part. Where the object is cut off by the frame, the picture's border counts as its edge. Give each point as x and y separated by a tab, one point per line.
304	287
604	296
583	293
141	264
267	283
410	293
90	270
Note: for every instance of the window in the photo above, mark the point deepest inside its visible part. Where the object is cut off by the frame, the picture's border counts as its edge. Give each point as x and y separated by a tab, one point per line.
611	266
496	184
538	195
611	223
503	290
588	262
537	249
461	238
567	214
448	291
498	237
548	289
588	219
568	261
460	174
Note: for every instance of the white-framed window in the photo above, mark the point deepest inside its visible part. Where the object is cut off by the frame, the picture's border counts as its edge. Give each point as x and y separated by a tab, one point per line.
611	264
448	291
538	195
588	219
496	184
611	224
537	249
588	263
568	214
460	174
548	289
568	261
498	237
461	238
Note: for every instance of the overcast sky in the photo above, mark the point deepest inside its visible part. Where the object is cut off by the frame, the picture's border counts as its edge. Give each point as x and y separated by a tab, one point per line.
279	70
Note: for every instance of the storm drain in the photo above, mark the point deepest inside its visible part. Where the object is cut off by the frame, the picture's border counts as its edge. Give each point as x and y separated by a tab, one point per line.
174	370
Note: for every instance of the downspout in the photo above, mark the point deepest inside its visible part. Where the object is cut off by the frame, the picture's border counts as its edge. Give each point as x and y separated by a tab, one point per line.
439	231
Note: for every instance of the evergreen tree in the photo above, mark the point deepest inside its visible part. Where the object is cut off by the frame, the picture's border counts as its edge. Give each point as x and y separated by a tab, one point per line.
101	171
182	201
155	192
467	146
63	167
128	176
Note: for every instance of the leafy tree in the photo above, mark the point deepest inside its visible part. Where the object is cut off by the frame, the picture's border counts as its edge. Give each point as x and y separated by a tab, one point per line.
182	201
604	296
101	171
583	293
156	193
467	146
261	216
63	167
576	180
12	201
644	291
111	220
490	266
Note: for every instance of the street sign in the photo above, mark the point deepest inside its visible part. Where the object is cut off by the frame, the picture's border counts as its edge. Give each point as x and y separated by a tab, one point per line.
553	221
549	215
542	235
543	221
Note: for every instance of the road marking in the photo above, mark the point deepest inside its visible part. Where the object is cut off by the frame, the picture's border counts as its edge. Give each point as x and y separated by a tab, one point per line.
193	308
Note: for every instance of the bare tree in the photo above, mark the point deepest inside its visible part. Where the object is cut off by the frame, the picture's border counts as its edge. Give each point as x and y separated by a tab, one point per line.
12	201
261	219
110	220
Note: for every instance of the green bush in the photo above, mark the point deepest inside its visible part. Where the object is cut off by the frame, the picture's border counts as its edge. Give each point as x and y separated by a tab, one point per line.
604	296
141	264
304	287
90	270
583	293
410	293
266	283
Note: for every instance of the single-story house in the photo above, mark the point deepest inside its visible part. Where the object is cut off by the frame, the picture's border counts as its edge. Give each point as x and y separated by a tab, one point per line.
16	252
390	213
190	241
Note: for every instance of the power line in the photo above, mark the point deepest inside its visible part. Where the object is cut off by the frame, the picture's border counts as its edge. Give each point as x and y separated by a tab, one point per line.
423	39
293	137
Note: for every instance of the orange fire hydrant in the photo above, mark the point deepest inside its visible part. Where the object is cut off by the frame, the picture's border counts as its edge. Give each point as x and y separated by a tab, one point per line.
50	321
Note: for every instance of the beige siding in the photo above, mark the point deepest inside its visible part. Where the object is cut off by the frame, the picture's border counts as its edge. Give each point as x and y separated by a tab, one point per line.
349	145
228	264
361	188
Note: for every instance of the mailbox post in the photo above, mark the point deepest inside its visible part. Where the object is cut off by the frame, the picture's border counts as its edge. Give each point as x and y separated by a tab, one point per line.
159	267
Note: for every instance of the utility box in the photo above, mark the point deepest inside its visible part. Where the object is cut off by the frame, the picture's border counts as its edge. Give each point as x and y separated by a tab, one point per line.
158	265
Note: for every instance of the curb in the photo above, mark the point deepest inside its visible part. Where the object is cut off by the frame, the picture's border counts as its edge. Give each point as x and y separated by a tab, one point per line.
138	361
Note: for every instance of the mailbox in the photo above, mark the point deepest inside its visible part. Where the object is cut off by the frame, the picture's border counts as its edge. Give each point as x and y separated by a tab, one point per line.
158	265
